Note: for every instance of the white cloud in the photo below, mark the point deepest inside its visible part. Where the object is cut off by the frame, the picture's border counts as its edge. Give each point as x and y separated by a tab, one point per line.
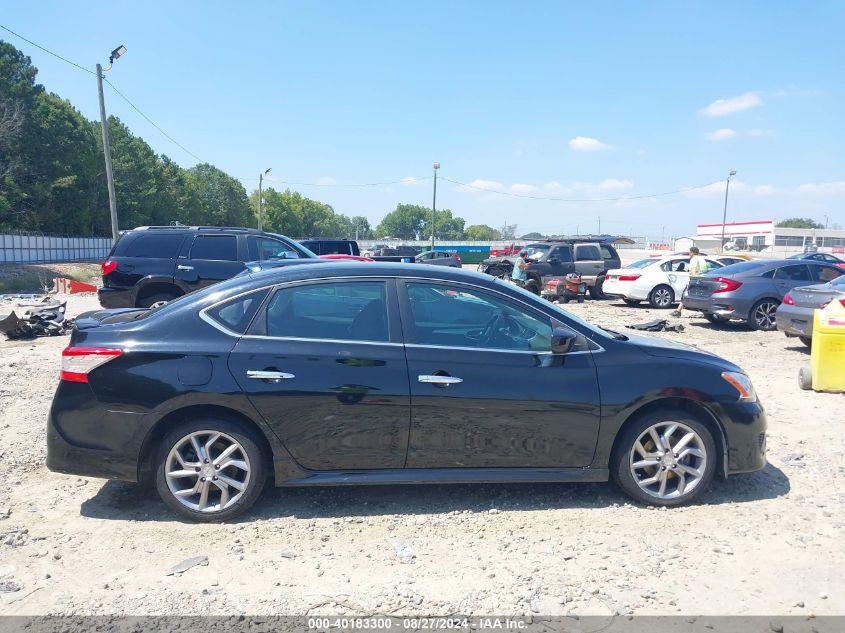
326	180
555	187
832	188
587	144
737	187
732	105
614	184
522	188
478	184
410	181
721	134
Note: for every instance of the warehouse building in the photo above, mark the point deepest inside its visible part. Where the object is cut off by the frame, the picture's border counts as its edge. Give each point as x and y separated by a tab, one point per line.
766	238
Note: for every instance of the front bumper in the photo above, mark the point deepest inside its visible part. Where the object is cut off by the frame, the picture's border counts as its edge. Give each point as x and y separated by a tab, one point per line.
745	430
795	321
115	297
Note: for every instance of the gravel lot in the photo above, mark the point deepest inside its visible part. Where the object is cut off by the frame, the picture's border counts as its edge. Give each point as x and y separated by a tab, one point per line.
766	543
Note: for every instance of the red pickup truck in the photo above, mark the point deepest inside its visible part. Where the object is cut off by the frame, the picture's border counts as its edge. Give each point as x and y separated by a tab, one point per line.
505	251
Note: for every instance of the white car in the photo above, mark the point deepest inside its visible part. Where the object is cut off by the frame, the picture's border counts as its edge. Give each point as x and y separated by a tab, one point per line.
658	280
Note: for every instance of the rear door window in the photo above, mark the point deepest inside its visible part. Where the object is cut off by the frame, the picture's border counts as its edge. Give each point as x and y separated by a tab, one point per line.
215	247
563	253
798	272
155	246
345	310
587	253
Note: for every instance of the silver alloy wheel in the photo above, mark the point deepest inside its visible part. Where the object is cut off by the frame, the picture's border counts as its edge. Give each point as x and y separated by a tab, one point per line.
764	315
663	297
668	460
207	471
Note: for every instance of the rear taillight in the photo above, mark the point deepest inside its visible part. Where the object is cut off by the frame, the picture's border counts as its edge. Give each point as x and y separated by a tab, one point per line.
78	362
456	258
629	277
726	285
108	266
788	300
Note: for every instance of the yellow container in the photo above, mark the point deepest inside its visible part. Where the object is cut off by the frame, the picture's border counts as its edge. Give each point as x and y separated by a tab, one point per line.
827	358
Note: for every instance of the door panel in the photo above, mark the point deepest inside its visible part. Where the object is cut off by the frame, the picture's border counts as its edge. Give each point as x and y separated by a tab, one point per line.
516	404
342	400
788	277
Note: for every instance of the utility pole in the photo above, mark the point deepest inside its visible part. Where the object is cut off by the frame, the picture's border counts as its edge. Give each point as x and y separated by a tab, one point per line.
261	199
116	53
732	172
434	203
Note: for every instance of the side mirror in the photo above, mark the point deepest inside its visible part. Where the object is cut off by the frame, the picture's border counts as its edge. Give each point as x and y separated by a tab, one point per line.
290	255
562	340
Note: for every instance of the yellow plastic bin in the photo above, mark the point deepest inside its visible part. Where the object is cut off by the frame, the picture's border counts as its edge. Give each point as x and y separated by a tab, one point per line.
827	357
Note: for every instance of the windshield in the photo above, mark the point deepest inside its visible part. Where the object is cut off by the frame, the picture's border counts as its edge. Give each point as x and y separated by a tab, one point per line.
536	251
308	252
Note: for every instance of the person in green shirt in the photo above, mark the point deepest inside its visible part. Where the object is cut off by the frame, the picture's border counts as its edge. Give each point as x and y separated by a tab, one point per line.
697	266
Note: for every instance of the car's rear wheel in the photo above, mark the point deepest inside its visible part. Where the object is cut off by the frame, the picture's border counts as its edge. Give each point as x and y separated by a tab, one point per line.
210	470
661	297
155	301
597	291
762	315
807	340
715	319
664	458
632	302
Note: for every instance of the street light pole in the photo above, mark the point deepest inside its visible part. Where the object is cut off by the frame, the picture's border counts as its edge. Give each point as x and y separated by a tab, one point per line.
115	54
434	203
732	172
261	199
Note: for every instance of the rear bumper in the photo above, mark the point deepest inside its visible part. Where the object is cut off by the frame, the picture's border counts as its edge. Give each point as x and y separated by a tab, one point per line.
721	305
794	321
624	289
115	297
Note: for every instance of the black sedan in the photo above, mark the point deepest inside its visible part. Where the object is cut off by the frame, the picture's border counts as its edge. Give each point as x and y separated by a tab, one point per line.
383	373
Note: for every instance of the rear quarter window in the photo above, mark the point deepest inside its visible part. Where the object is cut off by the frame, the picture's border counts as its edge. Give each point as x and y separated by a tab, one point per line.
236	314
608	252
153	246
215	247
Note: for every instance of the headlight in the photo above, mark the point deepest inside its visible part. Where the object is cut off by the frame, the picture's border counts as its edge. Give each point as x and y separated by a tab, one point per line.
742	384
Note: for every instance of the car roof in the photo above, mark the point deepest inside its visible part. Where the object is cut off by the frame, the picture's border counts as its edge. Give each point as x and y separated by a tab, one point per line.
371	269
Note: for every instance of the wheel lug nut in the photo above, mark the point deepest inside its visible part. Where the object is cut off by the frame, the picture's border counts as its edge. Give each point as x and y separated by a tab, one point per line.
202	478
197	468
214	478
217	466
206	461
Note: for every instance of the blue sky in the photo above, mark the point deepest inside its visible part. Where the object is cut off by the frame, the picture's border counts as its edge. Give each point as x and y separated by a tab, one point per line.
548	99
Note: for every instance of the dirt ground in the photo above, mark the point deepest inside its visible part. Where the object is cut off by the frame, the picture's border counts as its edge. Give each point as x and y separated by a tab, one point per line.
764	543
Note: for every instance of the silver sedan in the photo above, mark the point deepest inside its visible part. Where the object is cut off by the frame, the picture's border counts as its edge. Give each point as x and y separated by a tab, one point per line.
795	314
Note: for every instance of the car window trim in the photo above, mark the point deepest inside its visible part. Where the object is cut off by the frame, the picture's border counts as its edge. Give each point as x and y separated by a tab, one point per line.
203	314
198	236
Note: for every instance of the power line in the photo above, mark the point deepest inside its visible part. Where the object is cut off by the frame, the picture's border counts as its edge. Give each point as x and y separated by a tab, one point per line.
341	184
153	123
49	52
532	197
113	87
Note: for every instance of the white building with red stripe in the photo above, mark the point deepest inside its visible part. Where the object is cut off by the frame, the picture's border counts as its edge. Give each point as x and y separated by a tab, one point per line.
764	236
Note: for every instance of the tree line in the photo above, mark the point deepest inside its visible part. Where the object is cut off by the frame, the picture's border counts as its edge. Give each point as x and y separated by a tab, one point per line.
52	180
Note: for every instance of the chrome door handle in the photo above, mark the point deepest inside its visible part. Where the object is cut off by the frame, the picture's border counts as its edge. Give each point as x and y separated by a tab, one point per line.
183	267
440	380
273	376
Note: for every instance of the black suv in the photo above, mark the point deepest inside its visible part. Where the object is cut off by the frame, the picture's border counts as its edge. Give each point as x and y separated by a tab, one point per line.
590	255
332	247
151	265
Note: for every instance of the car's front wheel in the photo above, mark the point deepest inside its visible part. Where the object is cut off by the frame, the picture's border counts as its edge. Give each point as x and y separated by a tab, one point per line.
664	458
210	470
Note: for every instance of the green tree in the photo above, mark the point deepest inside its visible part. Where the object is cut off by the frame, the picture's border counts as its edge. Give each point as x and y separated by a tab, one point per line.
221	200
508	231
482	233
446	226
361	227
800	223
406	221
533	236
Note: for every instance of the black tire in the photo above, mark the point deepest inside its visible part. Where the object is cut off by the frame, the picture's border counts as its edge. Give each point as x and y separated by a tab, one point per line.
620	463
564	300
807	340
533	286
661	297
580	298
715	319
631	302
597	290
250	449
153	301
762	315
